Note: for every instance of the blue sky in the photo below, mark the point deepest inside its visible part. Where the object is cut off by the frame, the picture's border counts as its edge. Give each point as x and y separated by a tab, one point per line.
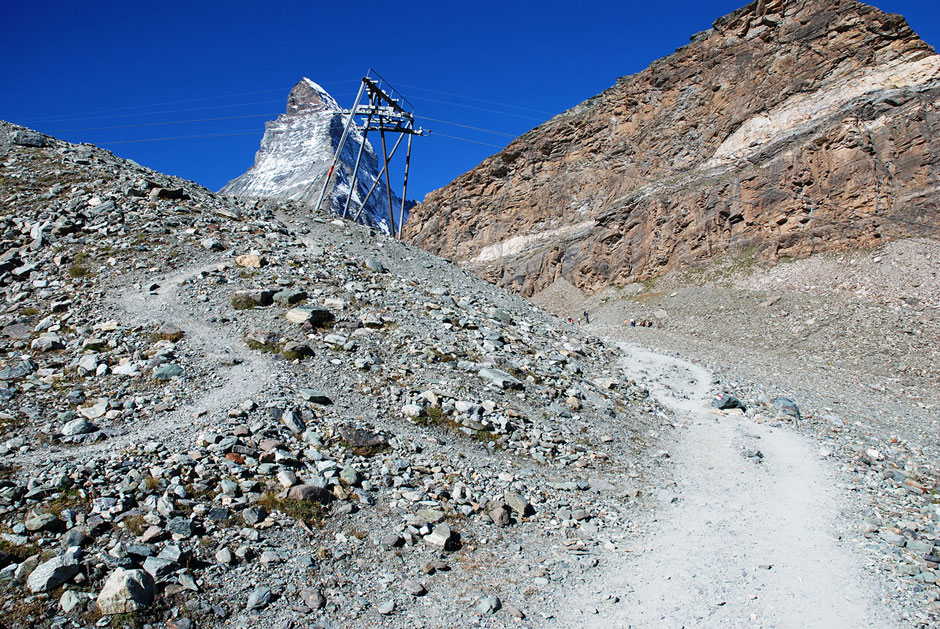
73	68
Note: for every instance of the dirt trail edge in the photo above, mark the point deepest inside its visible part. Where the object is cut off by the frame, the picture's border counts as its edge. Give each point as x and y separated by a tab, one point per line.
739	541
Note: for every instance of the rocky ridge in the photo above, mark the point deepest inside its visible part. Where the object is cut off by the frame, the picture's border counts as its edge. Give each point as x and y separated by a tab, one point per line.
297	150
790	127
219	412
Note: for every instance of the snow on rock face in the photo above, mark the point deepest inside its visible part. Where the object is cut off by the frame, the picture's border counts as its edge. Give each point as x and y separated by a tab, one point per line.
296	152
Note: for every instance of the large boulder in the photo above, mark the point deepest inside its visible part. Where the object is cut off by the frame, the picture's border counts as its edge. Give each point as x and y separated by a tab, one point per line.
126	591
54	572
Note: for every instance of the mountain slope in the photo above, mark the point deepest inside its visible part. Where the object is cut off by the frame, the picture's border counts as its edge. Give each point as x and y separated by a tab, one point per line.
789	127
296	152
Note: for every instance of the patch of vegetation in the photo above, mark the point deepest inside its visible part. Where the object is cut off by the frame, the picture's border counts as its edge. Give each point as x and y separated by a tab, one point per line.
363	451
485	436
71	498
30	611
293	355
135	524
28	312
243	301
307	511
77	271
10	424
174	335
21	553
263	347
433	415
247	274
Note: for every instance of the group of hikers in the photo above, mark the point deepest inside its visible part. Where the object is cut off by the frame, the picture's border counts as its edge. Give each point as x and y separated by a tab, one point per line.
633	323
584	318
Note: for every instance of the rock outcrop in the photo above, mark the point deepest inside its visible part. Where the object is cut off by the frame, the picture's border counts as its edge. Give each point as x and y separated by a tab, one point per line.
296	152
788	128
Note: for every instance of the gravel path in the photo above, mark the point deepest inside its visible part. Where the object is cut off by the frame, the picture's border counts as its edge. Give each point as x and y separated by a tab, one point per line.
739	541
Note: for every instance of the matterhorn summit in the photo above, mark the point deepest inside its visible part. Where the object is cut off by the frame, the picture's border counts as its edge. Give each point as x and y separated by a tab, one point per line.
296	152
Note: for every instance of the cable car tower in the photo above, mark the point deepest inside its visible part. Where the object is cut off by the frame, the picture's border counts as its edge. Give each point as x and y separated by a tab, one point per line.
385	111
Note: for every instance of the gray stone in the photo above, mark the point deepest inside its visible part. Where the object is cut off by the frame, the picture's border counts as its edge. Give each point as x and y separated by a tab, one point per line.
313	598
17	371
70	600
414	588
53	573
181	526
25	137
42	522
442	537
289	297
349	475
500	378
96	410
293	421
224	556
259	598
269	558
167	372
159	569
79	426
47	343
74	537
488	605
499	515
375	265
392	540
387	608
254	515
126	591
787	406
314	395
309	492
517	503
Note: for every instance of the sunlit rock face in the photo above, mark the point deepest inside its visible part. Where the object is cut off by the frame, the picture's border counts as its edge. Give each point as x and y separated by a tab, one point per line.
789	127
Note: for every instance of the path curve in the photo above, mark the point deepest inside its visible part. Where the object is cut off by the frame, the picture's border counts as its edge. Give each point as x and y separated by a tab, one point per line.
735	543
244	372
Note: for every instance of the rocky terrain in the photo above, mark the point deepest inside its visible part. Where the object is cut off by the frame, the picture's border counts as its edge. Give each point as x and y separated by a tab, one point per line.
295	155
790	127
220	412
849	335
227	412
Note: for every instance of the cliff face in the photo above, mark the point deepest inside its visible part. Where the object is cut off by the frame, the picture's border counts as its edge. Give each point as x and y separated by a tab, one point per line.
789	127
296	152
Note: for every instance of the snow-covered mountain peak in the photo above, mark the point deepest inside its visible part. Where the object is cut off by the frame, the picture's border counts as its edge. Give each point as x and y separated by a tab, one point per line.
307	95
295	155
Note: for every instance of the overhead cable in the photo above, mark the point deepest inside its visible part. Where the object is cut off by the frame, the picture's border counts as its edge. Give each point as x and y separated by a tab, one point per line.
182	137
56	117
466	126
482	100
157	124
492	111
453	137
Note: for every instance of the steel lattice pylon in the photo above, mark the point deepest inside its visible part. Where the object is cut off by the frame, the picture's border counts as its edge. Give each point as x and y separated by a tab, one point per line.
386	111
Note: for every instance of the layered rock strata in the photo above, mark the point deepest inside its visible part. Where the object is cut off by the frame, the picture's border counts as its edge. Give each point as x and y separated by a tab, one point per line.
789	127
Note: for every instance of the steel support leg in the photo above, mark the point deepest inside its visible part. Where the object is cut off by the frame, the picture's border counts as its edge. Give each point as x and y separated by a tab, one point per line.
339	149
404	189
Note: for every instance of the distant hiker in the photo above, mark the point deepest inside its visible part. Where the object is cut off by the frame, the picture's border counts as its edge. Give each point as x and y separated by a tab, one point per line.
632	323
587	319
570	320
